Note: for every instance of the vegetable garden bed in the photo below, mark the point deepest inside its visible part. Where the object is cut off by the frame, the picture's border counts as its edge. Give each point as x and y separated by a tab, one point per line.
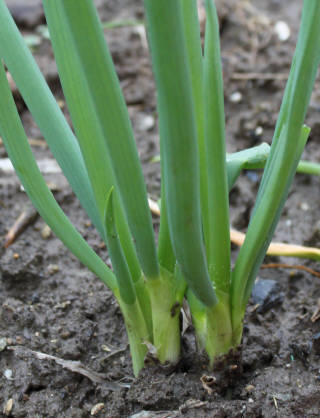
50	304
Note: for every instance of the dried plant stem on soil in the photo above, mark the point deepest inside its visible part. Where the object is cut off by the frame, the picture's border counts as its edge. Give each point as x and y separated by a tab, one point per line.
291	267
275	248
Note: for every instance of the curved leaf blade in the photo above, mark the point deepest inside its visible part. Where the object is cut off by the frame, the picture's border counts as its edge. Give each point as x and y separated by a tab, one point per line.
20	153
179	143
90	83
46	112
117	256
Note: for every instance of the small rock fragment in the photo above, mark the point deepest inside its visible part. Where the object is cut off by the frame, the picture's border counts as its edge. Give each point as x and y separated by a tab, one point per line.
267	294
53	269
46	232
304	206
146	123
8	407
97	408
235	97
258	131
8	374
3	344
282	30
105	348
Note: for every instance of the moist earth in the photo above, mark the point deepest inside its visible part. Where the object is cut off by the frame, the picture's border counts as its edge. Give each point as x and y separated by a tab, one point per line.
63	347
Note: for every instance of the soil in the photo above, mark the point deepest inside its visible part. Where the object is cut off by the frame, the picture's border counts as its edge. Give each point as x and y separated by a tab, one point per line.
52	305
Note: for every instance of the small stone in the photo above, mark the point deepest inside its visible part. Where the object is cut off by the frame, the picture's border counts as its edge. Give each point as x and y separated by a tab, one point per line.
258	131
267	294
53	269
46	232
97	408
8	374
3	344
146	123
304	206
235	97
249	388
105	348
8	407
282	30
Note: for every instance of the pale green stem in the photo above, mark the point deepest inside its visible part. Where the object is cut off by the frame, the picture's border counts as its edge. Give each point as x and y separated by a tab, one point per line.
166	294
137	331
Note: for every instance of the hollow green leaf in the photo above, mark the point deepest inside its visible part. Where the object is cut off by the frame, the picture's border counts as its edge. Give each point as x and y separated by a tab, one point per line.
46	112
100	118
284	157
249	159
178	135
218	245
195	59
20	153
119	262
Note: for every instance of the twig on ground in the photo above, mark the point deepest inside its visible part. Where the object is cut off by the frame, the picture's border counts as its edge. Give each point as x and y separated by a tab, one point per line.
292	267
275	248
73	366
259	76
26	218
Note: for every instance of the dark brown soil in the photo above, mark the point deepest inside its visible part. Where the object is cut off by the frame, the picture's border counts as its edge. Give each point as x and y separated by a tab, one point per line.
50	304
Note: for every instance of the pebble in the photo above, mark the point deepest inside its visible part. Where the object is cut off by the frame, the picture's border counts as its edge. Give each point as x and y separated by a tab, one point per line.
249	388
53	269
8	407
267	294
46	232
258	131
8	374
105	348
3	344
146	123
282	30
235	97
97	408
304	206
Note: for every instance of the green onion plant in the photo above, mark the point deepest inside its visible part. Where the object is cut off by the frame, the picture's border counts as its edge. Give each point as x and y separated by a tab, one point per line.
100	160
